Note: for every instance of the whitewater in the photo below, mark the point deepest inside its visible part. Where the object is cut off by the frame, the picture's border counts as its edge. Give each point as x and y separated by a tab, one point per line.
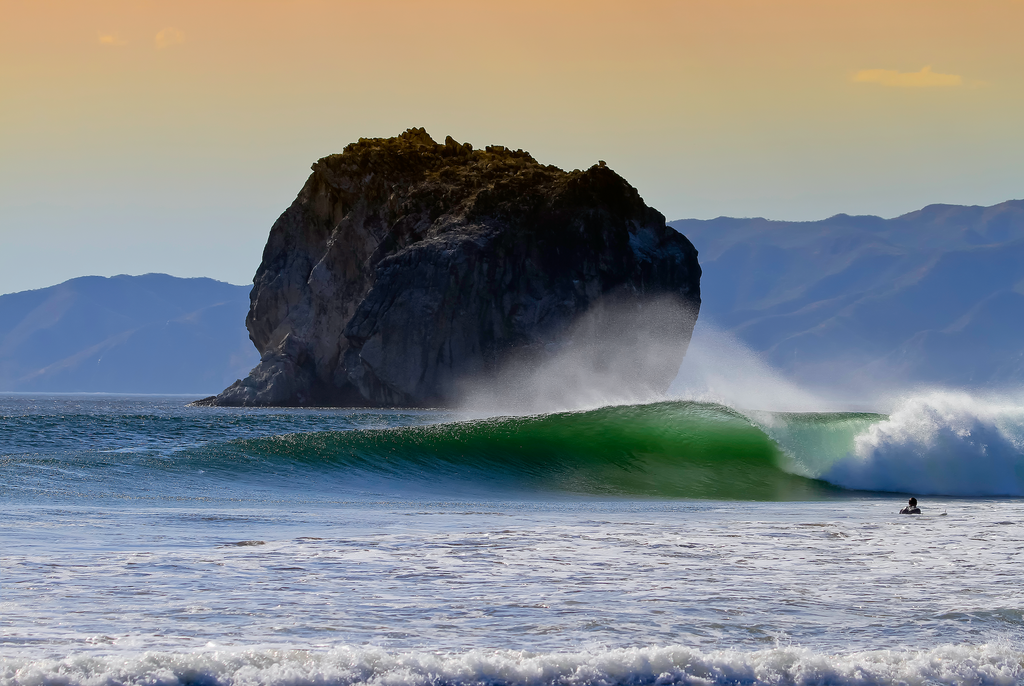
681	541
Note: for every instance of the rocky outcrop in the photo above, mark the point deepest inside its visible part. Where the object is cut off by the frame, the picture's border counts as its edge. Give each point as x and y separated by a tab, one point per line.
405	269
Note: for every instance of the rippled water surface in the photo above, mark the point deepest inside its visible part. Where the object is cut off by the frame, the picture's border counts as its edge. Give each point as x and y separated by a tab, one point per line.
525	575
123	535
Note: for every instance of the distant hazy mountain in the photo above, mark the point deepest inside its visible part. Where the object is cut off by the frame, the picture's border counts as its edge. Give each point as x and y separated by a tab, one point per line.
935	296
125	334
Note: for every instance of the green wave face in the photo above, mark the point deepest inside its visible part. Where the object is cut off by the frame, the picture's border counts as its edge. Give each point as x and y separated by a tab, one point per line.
670	449
813	441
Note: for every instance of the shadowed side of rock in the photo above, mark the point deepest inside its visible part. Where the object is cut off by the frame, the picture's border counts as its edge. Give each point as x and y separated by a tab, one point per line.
405	268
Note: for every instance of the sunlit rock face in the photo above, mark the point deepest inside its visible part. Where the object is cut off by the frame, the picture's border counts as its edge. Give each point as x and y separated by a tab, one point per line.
407	270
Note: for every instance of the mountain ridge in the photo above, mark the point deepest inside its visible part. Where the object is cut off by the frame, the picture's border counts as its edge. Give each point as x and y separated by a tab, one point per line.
824	301
152	333
854	301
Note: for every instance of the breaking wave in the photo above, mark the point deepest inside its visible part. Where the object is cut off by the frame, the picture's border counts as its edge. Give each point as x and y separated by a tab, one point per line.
930	444
939	443
348	666
669	449
934	444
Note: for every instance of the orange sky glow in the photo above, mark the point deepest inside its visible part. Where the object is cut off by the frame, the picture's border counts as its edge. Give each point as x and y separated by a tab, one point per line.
149	135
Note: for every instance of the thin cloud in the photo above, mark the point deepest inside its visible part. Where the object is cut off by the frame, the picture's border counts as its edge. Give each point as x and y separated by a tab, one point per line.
110	39
926	78
168	37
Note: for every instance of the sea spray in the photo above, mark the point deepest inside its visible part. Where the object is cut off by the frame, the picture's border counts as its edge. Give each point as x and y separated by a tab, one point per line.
615	354
719	368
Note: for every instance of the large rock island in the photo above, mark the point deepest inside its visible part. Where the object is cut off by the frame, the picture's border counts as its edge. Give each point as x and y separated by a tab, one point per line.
408	272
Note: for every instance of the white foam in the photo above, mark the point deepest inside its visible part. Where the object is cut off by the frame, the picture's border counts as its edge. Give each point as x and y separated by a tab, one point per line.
346	666
941	442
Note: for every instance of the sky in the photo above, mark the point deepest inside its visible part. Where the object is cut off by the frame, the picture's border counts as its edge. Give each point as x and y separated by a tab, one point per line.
156	136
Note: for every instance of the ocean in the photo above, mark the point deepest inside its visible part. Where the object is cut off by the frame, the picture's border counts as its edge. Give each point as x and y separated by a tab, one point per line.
143	541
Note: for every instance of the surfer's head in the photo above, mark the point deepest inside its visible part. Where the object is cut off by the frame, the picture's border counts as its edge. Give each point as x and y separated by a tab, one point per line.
913	502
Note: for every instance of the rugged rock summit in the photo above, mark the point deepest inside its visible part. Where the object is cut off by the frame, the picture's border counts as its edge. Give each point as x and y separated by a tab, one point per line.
406	269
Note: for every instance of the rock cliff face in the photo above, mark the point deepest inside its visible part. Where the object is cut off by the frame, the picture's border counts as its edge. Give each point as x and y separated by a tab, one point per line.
406	269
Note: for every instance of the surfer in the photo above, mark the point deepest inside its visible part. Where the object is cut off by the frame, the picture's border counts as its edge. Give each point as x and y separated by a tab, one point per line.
911	507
